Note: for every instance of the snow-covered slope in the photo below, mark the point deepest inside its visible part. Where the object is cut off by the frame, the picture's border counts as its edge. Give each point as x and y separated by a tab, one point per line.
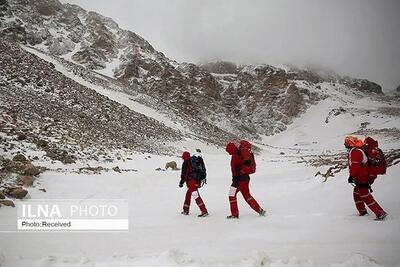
309	222
324	125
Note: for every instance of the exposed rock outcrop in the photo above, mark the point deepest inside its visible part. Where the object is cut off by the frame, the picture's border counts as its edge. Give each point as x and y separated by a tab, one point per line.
17	192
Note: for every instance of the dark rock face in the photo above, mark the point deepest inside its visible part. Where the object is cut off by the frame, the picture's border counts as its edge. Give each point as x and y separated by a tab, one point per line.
47	7
294	101
362	85
266	96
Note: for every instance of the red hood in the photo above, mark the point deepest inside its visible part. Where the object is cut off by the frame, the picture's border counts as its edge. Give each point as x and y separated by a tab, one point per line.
186	155
370	142
231	148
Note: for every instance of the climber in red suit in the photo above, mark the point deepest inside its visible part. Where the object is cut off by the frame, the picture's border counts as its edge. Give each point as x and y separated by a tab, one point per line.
192	185
240	183
359	175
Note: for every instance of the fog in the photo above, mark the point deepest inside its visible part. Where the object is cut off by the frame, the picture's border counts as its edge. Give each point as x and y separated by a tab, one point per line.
359	38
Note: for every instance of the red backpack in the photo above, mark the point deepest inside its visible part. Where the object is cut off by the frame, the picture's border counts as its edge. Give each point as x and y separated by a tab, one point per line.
249	165
376	157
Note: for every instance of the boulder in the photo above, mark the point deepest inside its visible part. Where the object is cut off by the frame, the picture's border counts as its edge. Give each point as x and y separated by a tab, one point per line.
17	192
21	137
31	170
14	166
2	195
172	165
117	169
51	154
68	159
26	180
19	158
7	202
42	143
61	155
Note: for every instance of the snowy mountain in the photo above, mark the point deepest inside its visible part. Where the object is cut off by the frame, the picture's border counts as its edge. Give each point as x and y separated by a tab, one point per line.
242	101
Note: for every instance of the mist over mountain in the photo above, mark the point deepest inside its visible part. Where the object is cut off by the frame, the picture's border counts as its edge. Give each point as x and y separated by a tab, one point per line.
358	38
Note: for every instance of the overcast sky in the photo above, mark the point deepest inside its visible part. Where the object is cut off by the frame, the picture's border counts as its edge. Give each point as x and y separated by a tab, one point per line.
360	38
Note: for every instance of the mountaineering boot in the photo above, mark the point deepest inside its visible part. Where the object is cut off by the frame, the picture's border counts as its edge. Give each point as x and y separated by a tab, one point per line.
262	212
363	213
381	217
185	213
232	217
205	214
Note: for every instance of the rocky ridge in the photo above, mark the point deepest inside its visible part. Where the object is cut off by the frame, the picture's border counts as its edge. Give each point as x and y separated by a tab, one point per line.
213	99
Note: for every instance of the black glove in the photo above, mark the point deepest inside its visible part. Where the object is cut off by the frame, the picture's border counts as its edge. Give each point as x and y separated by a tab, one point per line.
247	162
351	180
180	184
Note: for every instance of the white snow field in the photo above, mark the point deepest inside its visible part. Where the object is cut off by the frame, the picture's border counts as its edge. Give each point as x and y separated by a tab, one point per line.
308	222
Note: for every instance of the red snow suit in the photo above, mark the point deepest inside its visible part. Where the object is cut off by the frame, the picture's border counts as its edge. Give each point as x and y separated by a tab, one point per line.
358	169
192	185
240	182
358	165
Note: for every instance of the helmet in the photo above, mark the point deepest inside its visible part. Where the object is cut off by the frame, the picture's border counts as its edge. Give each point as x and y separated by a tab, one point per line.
231	148
352	141
186	155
